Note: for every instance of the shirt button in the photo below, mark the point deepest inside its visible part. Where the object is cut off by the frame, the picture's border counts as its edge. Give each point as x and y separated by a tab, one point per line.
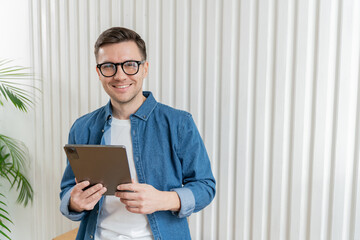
102	130
91	236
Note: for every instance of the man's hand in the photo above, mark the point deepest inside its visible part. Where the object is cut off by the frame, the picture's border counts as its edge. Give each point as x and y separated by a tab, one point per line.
145	199
81	200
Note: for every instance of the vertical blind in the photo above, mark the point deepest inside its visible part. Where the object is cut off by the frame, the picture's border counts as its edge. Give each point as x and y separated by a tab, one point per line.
273	86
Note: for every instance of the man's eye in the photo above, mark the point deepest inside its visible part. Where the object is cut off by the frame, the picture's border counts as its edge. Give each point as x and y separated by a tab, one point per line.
107	66
130	64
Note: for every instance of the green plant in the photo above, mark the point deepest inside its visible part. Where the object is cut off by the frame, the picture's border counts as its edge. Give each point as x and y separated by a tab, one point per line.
14	153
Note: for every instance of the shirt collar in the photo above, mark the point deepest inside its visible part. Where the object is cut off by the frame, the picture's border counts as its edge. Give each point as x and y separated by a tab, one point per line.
143	112
108	111
147	107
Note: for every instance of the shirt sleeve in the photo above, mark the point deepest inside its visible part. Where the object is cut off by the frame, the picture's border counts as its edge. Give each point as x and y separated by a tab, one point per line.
64	208
198	181
187	201
67	184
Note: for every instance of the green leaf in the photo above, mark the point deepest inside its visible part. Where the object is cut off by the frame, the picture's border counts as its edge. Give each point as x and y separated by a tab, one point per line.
4	219
1	209
12	161
16	149
14	98
5	235
3	216
11	88
3	225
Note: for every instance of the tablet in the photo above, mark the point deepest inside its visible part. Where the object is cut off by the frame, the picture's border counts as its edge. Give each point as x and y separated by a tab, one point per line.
105	164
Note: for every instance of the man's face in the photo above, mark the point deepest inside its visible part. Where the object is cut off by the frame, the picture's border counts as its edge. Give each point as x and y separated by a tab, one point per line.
122	88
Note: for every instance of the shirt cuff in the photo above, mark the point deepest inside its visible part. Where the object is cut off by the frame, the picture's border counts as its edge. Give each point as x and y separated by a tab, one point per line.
187	201
64	208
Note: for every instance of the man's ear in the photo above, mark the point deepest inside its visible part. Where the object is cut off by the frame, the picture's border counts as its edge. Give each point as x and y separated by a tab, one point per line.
98	71
146	69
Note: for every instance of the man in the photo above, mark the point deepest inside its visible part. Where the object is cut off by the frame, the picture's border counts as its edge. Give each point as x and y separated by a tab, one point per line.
169	165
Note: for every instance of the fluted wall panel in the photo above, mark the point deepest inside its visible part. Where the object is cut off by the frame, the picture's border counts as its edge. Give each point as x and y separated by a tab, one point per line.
272	85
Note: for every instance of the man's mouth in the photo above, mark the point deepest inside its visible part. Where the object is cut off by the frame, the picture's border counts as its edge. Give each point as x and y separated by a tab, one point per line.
122	86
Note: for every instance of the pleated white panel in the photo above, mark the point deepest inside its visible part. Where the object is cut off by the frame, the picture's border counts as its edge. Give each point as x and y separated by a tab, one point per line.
272	85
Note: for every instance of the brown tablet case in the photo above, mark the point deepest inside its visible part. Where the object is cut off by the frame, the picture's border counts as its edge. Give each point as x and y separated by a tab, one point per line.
105	164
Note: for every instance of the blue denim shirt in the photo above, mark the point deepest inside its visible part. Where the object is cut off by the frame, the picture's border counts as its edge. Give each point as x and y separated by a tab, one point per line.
169	154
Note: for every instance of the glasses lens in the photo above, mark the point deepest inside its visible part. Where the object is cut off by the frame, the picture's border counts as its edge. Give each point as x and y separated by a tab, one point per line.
108	69
130	67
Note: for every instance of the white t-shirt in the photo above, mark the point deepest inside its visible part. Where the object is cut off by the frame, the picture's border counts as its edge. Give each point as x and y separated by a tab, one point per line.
114	221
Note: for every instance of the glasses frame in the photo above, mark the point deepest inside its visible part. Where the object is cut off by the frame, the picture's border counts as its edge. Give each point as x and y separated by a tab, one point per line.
122	67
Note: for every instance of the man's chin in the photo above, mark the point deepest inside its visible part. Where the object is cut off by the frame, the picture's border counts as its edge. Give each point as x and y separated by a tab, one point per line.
124	100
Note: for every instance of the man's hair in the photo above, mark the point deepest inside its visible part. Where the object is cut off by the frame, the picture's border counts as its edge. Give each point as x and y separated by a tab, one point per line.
118	35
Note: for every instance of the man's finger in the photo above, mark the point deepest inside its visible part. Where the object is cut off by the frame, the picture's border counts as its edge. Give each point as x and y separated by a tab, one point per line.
134	210
126	195
130	203
130	187
124	187
93	199
90	191
97	195
82	185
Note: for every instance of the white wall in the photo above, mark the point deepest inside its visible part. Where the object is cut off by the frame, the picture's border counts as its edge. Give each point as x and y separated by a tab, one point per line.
273	86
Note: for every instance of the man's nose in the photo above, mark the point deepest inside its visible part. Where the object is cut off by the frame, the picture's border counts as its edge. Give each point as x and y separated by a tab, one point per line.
120	74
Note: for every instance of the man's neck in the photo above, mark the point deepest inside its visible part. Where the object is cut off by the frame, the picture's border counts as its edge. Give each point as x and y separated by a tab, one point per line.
123	111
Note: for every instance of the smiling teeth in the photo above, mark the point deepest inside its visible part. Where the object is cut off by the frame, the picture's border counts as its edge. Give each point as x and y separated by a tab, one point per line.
125	86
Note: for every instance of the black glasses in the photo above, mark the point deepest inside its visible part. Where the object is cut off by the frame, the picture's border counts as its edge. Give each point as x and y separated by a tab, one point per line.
109	69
